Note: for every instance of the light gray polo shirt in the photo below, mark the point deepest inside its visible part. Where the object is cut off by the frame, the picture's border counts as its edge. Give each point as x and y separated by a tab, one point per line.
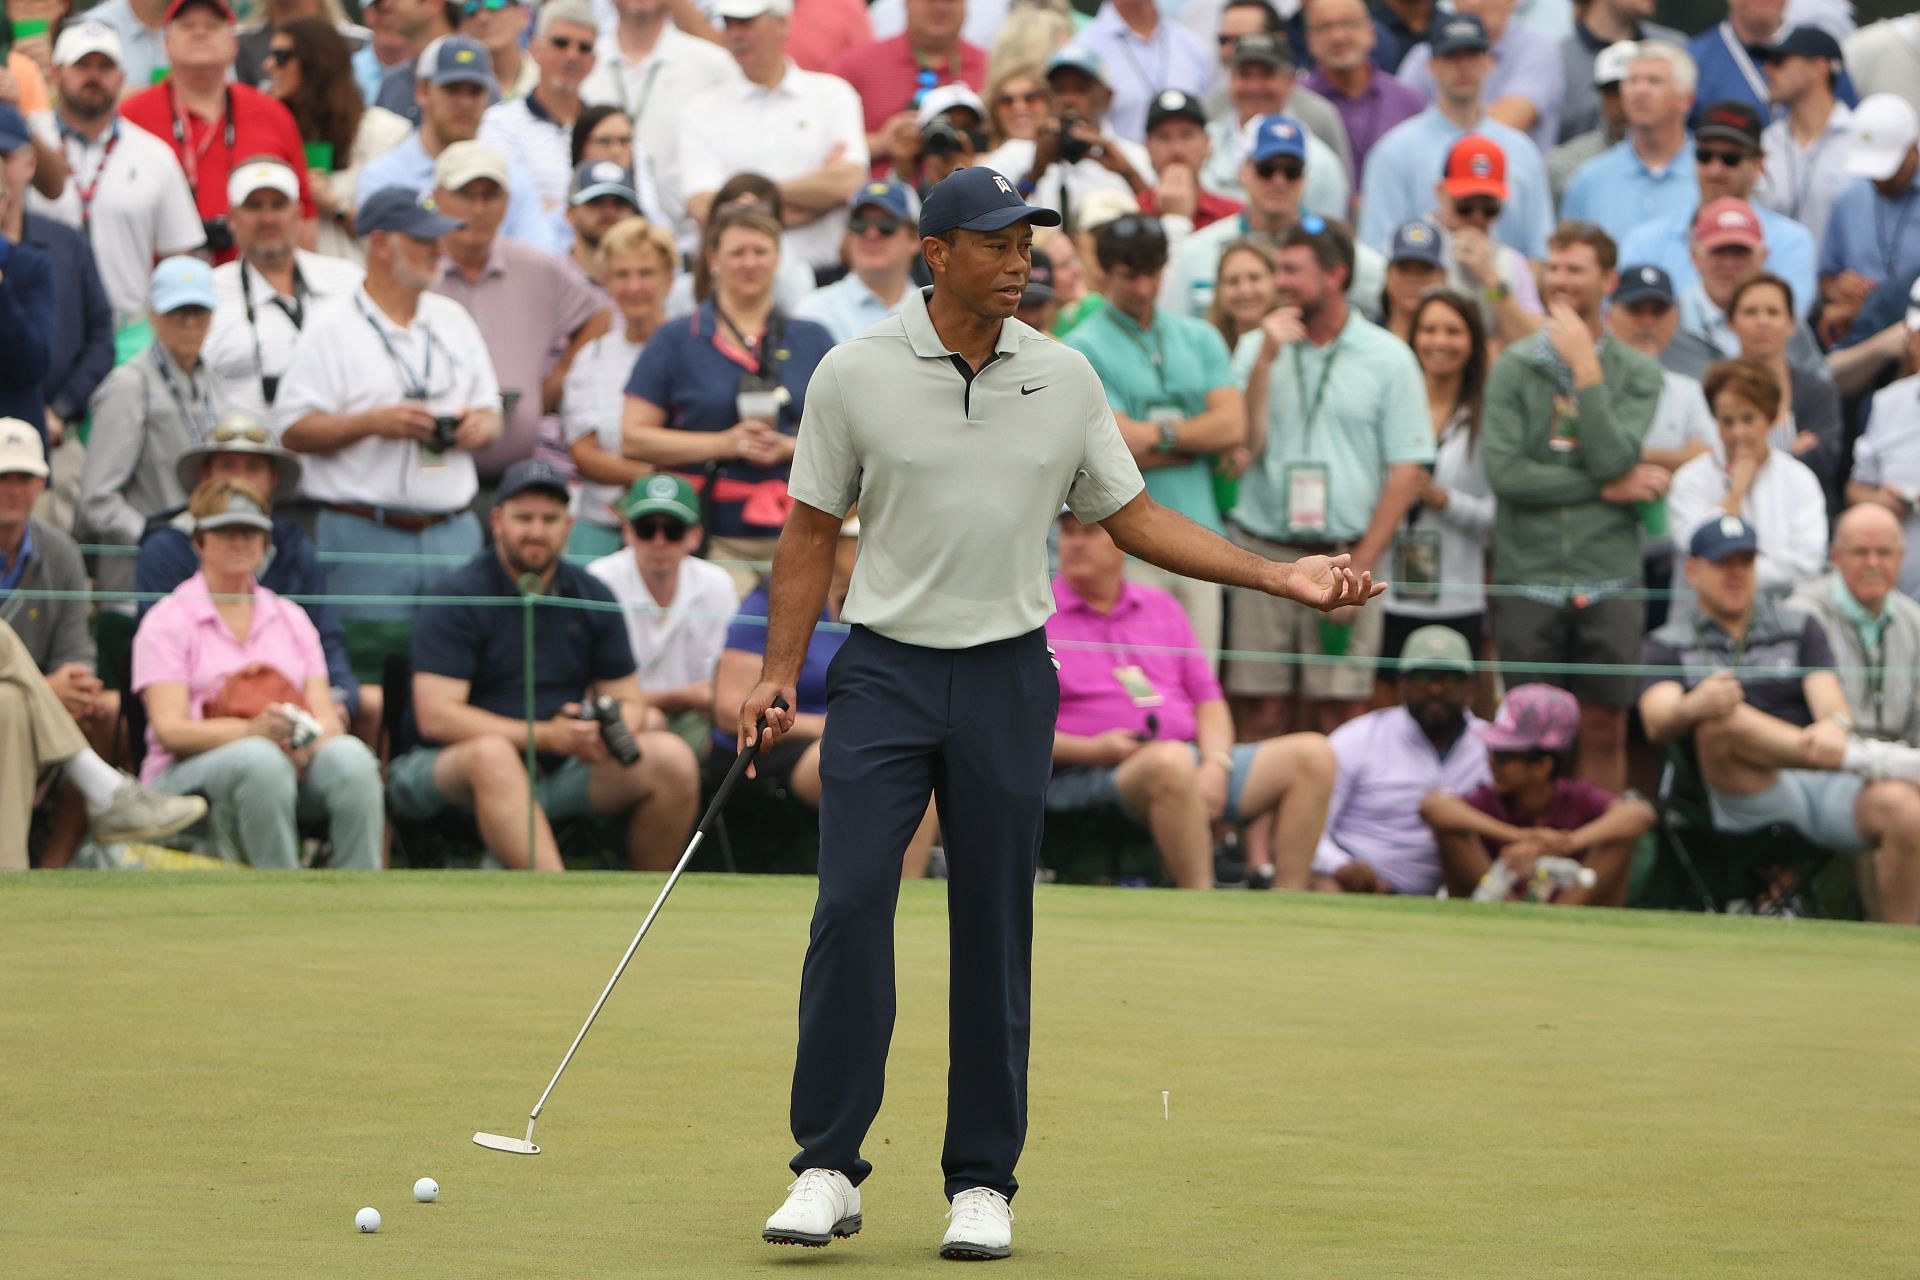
958	480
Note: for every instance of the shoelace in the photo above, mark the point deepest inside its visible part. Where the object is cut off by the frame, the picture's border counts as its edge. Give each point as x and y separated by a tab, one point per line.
975	1202
809	1182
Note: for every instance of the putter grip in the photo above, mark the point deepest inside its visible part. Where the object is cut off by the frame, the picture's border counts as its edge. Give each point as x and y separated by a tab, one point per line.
760	725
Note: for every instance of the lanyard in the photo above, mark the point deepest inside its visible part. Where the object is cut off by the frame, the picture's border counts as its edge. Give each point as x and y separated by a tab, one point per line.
199	428
413	387
297	312
190	156
1308	412
1889	243
1743	62
1143	338
639	108
758	352
86	190
1152	83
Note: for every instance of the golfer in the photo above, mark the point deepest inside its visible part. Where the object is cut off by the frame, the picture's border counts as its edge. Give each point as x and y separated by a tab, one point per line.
958	431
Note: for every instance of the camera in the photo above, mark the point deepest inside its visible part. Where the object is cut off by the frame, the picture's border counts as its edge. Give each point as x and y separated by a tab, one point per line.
1072	150
445	426
269	386
613	730
940	138
219	234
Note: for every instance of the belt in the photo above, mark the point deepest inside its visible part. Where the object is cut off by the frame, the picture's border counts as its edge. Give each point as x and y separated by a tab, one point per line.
405	521
1319	548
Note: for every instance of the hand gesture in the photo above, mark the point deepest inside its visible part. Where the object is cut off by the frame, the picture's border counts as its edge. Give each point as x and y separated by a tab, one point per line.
408	420
1179	191
1046	147
1570	337
760	705
1473	252
1716	697
901	137
76	687
1742	467
1327	583
1282	327
272	725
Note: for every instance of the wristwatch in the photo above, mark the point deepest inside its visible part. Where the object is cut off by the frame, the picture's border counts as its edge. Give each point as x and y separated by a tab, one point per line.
1497	292
1169	433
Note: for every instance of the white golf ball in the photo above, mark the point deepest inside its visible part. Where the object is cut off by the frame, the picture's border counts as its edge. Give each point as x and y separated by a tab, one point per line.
426	1191
367	1219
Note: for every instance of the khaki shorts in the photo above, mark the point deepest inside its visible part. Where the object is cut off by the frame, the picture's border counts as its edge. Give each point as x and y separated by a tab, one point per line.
1260	623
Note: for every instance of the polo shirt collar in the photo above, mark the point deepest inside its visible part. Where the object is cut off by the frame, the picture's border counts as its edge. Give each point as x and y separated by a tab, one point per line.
926	341
10	574
1871	628
496	264
749	90
1127	323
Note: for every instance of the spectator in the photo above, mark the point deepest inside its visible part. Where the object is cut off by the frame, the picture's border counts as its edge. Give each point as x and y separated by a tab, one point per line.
1071	157
469	696
1153	737
635	260
1609	74
1130	37
27	301
1761	317
1270	82
604	133
827	29
1260	85
374	386
677	606
793	279
1806	147
1177	148
1871	236
895	74
242	450
1243	289
1649	173
649	68
213	125
1389	761
1017	100
1886	458
1774	493
1566	418
883	243
1468	202
1728	248
718	394
1170	382
1408	22
1526	86
800	128
1437	562
139	30
262	298
253	62
1727	164
422	24
1274	177
389	52
793	763
600	197
1338	446
1872	624
1417	265
534	313
1039	301
1395	187
1601	24
219	664
1342	38
1531	809
454	87
1884	57
308	64
1727	55
1778	748
501	25
135	211
146	414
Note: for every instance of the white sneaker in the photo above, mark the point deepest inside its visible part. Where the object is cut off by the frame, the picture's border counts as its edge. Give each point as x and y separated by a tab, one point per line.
1876	760
821	1204
979	1226
140	816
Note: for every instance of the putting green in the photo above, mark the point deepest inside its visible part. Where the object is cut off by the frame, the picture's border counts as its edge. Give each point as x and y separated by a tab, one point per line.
207	1075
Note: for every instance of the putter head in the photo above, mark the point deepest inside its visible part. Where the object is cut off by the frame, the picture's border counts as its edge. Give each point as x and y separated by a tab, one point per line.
512	1146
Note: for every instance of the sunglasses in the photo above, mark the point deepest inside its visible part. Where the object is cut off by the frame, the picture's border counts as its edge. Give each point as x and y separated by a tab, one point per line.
472	7
1477	207
860	225
1030	96
1704	156
567	45
1287	167
280	57
1133	227
647	529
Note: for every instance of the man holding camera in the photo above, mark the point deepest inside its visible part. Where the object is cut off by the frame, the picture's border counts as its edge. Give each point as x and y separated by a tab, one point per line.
470	699
388	393
1074	156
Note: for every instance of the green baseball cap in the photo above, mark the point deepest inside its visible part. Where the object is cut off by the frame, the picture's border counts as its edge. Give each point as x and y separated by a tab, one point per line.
1436	648
662	494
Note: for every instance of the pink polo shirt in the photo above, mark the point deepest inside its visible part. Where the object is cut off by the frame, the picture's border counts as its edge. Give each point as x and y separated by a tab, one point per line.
183	641
1146	630
821	30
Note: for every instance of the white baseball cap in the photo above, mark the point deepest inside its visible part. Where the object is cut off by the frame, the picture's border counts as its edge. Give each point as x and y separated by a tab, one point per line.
746	10
1884	128
465	162
262	175
1611	63
20	449
82	38
946	97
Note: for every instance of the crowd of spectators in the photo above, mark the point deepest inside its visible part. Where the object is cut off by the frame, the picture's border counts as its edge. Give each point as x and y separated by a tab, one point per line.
326	329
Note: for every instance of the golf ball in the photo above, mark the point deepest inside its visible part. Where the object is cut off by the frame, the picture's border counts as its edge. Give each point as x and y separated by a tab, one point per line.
367	1219
426	1191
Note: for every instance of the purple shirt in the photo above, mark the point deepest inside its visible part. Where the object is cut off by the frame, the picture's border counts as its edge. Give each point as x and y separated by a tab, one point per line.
1145	630
1384	103
1574	805
1387	767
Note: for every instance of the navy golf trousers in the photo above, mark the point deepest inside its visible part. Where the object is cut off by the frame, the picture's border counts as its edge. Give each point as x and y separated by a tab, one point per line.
973	728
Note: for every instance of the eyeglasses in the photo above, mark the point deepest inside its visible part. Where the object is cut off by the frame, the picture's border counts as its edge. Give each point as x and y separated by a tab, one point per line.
1030	96
1704	156
1286	166
647	529
280	57
860	225
1227	41
1477	207
567	45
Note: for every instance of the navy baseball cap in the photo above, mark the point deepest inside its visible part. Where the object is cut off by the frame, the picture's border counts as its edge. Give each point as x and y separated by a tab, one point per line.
13	129
1276	136
1717	539
888	195
1643	283
597	178
1805	42
1730	121
531	473
1417	241
1459	33
411	213
978	200
1175	104
458	60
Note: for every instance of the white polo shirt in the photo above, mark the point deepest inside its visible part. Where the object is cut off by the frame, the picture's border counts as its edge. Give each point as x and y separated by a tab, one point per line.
521	131
350	358
680	644
958	480
136	208
242	348
784	132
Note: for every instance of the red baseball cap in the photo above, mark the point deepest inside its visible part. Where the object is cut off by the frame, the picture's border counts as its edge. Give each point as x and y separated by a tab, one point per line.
224	9
1476	167
1728	221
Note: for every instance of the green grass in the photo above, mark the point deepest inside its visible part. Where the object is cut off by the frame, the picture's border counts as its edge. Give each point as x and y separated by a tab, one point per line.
205	1076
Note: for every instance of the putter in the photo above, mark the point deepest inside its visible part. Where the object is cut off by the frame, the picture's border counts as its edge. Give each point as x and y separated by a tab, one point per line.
527	1146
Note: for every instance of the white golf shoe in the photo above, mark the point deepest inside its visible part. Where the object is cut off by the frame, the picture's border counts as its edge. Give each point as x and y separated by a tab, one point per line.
979	1227
821	1204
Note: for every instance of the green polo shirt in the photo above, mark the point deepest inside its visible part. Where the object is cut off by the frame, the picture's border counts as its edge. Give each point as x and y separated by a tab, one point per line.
1356	407
1175	364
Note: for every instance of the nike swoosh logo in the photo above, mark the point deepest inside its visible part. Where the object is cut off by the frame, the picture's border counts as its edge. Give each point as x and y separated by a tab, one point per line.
1027	391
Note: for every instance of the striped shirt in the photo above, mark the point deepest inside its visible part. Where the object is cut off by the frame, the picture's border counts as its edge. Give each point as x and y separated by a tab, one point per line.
245	346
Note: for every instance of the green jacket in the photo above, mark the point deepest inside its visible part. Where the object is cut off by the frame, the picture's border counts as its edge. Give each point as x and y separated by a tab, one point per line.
1552	527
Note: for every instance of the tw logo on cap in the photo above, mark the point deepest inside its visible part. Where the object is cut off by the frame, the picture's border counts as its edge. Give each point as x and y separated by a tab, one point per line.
1005	186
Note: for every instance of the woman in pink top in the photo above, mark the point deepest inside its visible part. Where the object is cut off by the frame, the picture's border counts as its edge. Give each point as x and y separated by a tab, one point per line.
265	774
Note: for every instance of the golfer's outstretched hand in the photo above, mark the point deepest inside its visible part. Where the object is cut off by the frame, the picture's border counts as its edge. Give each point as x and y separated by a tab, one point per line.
761	703
1327	583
